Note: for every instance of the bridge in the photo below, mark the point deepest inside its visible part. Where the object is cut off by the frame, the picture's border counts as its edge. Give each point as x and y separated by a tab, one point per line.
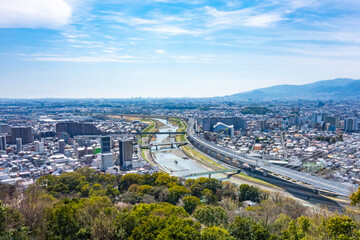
236	159
155	133
172	144
209	173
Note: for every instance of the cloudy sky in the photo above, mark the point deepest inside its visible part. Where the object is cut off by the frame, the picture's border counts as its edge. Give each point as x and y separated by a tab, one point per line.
173	48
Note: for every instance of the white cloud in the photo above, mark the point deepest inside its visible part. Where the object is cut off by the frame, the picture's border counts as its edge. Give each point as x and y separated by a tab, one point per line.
262	20
51	14
170	30
89	59
244	17
160	51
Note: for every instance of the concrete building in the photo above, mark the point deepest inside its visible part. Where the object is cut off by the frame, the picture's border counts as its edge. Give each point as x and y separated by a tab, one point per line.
261	124
39	147
351	124
4	128
18	144
107	160
77	128
238	123
61	145
25	133
105	144
225	129
2	142
125	153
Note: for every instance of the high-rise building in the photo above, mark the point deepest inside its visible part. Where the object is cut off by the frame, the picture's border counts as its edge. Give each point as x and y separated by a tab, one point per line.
18	144
39	147
317	117
2	142
351	124
261	124
4	128
25	133
105	144
125	152
107	160
238	123
77	128
61	145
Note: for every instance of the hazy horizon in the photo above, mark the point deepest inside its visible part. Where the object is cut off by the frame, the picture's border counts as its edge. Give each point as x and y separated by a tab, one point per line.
161	48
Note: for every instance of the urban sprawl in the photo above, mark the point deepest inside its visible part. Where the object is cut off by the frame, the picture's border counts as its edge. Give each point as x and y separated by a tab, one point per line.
41	137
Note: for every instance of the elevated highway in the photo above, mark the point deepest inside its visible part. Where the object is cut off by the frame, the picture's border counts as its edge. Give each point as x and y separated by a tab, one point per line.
234	157
171	144
209	173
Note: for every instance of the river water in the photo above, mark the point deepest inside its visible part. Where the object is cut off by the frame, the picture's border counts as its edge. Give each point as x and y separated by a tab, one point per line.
173	160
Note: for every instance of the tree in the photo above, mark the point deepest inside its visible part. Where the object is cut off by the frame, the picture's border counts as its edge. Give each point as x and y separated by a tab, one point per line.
209	183
180	229
340	226
215	233
161	193
190	203
2	217
211	216
33	207
127	180
241	228
164	179
61	220
176	192
229	190
209	197
355	197
247	192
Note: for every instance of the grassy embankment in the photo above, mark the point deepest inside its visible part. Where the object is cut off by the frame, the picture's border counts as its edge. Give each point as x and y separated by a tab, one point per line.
145	139
190	152
207	161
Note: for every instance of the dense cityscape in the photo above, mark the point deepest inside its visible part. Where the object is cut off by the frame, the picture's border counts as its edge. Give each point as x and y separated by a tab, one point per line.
179	120
45	137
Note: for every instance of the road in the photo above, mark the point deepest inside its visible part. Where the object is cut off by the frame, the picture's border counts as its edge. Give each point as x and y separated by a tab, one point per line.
339	188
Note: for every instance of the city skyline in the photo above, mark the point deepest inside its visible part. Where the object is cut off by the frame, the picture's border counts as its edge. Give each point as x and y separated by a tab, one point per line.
159	48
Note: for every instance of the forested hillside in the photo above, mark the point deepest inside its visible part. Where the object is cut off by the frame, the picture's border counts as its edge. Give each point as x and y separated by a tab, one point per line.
89	205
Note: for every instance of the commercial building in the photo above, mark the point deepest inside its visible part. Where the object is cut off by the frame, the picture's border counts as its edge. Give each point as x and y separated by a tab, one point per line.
77	128
2	143
25	133
125	152
261	124
351	124
4	128
225	129
61	145
107	160
18	144
238	123
105	144
39	147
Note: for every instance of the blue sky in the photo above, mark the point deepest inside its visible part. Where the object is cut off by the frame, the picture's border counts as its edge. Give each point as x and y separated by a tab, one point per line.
172	48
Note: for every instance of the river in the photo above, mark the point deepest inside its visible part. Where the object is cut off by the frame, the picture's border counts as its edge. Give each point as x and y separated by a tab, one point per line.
173	160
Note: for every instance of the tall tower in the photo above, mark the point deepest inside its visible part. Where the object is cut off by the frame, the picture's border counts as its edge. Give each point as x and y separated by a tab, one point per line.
2	142
18	144
125	152
61	145
105	144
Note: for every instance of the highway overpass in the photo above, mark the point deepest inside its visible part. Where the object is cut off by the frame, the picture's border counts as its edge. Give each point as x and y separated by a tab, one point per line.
236	158
209	173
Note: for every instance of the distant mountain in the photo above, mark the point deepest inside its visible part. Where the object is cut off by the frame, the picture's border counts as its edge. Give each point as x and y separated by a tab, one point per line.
340	88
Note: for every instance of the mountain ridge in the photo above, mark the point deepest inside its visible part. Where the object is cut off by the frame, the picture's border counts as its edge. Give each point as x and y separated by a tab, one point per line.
339	88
